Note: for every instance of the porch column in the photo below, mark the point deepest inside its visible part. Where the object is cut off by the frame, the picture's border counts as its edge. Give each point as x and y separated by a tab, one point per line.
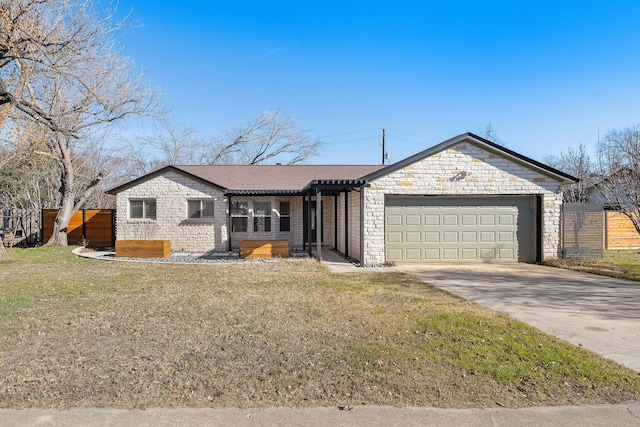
229	223
362	226
309	239
318	222
346	223
335	222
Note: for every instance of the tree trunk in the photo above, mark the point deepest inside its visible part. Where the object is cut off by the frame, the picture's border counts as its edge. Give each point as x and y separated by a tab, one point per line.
3	252
61	223
66	210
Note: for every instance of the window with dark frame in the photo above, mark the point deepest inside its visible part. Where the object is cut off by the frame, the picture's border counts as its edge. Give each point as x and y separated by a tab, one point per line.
262	216
200	209
239	216
285	216
142	209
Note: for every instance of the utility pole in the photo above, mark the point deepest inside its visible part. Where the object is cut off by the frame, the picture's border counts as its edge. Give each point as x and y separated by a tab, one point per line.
383	150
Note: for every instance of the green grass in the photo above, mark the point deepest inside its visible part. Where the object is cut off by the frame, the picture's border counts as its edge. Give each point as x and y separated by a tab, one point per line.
623	264
78	332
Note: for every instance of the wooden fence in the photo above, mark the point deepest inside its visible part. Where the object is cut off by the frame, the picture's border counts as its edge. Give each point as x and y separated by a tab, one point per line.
93	227
20	227
620	232
582	231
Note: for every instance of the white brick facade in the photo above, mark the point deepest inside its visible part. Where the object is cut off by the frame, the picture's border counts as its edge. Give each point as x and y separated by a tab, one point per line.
487	173
171	191
463	166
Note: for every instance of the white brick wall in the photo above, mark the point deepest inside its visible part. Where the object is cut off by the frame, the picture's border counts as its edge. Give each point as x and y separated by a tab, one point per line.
487	174
171	192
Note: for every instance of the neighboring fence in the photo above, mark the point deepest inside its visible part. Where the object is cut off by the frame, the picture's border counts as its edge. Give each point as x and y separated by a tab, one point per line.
582	231
20	227
620	232
93	227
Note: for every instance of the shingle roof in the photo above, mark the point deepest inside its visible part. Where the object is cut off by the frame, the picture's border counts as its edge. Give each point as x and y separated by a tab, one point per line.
261	178
275	177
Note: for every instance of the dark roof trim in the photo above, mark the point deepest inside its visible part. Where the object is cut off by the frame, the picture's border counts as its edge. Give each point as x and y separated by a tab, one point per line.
561	176
334	184
159	172
263	193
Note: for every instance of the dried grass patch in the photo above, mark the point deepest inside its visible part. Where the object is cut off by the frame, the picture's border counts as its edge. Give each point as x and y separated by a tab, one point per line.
92	333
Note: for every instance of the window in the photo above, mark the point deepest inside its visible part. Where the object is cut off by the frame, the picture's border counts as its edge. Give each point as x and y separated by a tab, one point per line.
142	209
261	216
239	216
285	216
197	209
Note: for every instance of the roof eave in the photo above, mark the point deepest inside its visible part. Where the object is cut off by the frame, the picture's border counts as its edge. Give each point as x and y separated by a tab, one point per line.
157	173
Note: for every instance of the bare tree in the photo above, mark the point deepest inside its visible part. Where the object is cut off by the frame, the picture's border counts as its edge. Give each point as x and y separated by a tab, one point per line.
578	163
619	162
489	132
168	144
61	68
270	138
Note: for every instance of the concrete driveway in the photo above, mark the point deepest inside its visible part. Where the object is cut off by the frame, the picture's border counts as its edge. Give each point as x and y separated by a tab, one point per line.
595	312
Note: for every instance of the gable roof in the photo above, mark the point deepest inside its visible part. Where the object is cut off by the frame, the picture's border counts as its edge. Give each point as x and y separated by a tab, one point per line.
483	143
295	179
260	178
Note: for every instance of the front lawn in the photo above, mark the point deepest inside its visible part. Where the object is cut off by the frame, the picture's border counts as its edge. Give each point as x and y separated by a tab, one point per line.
77	333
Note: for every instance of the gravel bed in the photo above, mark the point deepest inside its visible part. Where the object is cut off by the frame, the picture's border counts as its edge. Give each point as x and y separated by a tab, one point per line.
188	258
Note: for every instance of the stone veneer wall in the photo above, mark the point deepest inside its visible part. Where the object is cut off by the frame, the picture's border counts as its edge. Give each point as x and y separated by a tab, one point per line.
171	192
488	174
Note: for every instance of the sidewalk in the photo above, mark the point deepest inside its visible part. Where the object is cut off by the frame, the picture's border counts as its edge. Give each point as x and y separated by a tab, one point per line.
578	416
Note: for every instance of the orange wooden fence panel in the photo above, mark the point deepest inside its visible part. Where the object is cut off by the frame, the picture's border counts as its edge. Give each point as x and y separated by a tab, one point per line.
91	226
621	234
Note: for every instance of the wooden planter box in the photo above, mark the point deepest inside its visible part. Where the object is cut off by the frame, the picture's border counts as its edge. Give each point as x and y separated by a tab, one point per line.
143	248
264	248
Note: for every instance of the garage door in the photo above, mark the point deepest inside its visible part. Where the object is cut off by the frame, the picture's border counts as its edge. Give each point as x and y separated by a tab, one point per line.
438	229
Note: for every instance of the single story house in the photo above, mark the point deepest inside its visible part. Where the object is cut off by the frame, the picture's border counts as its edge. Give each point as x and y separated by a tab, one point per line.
466	199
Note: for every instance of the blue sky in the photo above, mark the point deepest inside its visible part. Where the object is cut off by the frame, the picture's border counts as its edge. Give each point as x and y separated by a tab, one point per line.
546	74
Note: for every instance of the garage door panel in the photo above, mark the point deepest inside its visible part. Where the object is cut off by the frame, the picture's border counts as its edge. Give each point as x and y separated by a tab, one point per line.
469	219
431	254
394	219
506	219
448	219
411	220
394	237
431	219
431	237
465	229
506	254
506	237
450	254
413	254
413	237
469	254
487	219
487	237
469	237
449	237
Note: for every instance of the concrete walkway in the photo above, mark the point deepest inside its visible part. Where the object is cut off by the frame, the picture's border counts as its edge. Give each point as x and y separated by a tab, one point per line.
569	416
598	313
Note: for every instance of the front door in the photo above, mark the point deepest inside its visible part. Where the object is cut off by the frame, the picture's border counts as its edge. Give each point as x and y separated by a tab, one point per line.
305	221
